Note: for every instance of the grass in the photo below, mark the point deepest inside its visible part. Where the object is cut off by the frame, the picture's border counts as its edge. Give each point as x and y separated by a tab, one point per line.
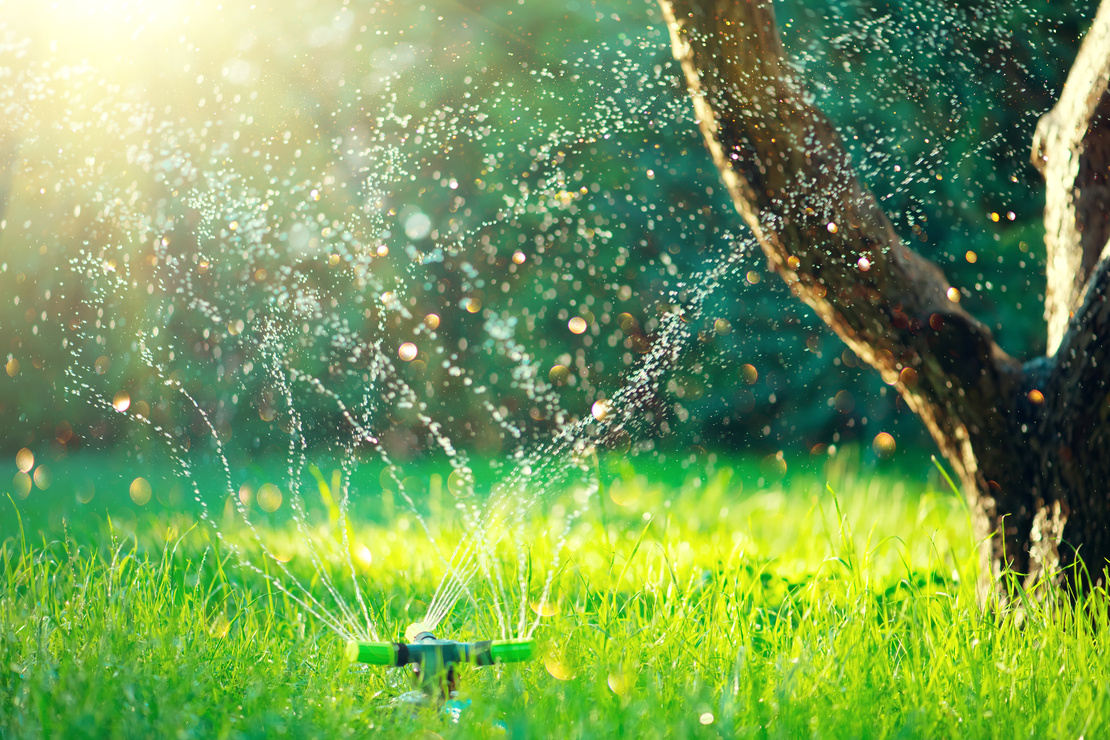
688	609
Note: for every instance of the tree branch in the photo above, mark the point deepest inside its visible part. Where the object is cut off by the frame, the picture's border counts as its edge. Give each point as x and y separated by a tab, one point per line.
792	181
1071	148
1031	444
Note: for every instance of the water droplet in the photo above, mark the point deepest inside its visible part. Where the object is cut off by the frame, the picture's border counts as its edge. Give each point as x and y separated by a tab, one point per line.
773	466
545	608
418	226
844	402
25	460
883	445
121	401
459	484
22	484
577	325
908	376
364	556
269	497
407	351
624	493
619	682
140	491
558	668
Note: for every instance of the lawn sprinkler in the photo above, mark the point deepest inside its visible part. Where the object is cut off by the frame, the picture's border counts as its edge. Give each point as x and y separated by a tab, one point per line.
434	660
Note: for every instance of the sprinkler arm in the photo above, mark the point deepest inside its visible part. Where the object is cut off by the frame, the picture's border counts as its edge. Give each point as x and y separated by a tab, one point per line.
397	654
435	659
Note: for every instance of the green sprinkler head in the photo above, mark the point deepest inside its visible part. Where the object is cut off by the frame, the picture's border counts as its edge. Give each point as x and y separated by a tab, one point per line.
434	660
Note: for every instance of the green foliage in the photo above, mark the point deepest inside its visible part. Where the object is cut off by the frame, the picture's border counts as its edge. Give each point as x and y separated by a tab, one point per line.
534	102
846	611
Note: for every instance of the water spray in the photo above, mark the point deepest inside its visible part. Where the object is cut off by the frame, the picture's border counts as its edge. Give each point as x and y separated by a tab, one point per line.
434	660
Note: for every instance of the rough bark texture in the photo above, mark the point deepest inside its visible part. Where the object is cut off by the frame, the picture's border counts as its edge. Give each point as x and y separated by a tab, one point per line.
1030	444
1071	148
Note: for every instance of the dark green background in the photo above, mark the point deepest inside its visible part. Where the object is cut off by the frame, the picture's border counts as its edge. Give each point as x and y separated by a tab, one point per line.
948	89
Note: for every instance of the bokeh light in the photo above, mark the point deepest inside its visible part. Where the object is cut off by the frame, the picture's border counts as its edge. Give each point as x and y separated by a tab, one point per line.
121	401
620	682
25	460
22	484
884	445
140	491
547	608
269	497
43	477
558	668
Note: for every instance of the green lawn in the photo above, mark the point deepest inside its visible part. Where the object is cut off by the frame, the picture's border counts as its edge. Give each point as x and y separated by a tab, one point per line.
705	607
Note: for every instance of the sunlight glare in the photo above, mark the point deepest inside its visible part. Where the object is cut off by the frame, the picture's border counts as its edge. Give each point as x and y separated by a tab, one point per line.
106	33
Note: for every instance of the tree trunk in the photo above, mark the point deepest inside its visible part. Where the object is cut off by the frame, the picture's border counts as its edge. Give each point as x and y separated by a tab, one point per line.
1030	443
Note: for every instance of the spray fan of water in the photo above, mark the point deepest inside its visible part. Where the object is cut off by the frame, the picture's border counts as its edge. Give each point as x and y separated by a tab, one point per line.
356	285
401	236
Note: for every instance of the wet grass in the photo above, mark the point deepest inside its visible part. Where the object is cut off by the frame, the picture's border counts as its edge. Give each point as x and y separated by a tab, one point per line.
686	609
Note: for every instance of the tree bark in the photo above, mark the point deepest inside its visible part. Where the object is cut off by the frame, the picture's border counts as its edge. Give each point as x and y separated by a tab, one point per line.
1029	443
1071	148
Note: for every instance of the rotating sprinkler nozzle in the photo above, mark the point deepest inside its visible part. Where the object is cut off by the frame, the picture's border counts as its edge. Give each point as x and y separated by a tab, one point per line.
434	660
